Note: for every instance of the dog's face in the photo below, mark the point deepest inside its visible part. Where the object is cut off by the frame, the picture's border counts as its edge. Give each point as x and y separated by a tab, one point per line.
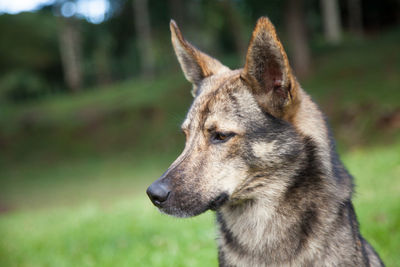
236	130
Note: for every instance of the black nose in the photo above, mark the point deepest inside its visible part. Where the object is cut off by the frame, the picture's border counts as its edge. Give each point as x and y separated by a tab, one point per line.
158	193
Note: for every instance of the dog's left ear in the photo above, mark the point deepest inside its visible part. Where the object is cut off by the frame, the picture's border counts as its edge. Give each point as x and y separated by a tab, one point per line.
195	64
268	72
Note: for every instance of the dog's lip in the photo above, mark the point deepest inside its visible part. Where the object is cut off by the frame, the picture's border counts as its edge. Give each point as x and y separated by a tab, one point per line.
170	209
219	201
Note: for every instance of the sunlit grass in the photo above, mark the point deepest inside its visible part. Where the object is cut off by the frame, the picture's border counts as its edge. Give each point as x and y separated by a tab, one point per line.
377	198
128	233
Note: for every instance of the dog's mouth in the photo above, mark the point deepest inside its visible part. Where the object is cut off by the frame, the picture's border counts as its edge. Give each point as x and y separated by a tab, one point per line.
193	207
218	201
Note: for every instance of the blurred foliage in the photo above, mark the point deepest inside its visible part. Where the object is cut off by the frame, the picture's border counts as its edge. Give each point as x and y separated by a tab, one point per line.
19	85
110	50
29	53
31	41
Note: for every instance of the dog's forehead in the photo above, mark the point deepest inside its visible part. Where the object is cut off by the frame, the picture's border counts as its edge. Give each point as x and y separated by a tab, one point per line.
211	90
216	82
221	102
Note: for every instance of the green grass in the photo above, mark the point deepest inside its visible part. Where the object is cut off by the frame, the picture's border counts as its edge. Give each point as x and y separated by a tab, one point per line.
70	110
132	116
377	202
30	184
128	231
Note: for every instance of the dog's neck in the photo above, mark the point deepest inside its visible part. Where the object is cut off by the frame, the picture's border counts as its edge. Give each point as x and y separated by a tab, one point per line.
255	233
275	228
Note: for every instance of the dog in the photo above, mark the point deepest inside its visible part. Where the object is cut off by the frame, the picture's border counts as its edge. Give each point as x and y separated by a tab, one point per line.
258	152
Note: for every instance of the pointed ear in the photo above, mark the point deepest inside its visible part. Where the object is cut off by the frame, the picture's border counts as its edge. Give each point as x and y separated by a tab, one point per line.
195	64
268	72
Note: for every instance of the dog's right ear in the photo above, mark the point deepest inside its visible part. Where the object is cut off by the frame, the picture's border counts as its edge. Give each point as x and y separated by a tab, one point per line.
195	64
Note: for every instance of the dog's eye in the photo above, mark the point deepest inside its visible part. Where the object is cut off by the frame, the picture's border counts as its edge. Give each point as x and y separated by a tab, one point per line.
219	137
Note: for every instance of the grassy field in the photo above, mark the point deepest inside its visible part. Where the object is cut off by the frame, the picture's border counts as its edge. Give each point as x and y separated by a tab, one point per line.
74	168
129	231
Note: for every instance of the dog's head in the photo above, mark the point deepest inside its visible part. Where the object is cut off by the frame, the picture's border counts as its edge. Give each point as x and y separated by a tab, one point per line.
237	130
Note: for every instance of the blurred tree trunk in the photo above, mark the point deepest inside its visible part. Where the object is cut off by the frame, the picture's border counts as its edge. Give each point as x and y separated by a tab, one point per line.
102	60
235	25
144	39
70	49
355	16
297	35
331	19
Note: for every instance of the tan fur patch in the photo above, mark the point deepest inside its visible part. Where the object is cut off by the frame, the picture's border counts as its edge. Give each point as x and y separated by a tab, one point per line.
261	150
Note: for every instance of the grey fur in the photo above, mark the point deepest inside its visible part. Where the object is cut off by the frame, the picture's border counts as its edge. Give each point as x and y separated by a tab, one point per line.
270	171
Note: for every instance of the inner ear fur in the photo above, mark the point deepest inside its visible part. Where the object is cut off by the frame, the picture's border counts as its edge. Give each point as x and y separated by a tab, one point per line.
268	72
195	64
